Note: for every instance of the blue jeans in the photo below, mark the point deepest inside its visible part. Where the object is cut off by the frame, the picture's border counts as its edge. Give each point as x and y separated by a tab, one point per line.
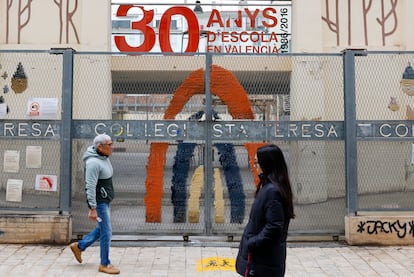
103	232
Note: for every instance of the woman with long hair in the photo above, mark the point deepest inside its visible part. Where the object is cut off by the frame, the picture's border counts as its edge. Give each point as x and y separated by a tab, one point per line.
262	250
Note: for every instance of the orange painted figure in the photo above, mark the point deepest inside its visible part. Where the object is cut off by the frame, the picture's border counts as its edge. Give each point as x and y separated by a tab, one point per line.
223	85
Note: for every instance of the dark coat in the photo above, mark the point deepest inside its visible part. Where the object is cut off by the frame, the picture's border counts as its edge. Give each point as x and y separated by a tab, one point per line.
265	235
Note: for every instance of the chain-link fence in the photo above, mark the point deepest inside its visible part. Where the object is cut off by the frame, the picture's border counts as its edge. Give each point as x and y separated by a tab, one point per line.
30	148
385	160
185	137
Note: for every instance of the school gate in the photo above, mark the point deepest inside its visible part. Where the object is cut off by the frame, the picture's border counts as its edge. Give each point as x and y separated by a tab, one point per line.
185	130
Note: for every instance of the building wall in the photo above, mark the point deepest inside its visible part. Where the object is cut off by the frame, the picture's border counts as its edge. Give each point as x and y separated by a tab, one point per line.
315	27
321	26
46	24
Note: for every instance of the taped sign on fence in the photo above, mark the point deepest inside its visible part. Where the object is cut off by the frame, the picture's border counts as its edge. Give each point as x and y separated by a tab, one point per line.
46	182
42	108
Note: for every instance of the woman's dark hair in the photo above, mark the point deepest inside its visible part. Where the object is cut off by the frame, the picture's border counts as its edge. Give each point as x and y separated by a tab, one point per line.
272	162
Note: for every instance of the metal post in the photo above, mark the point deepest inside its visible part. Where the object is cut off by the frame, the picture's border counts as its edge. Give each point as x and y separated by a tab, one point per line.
350	130
208	168
65	200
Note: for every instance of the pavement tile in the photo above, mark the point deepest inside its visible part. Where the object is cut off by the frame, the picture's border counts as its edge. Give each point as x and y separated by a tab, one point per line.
310	260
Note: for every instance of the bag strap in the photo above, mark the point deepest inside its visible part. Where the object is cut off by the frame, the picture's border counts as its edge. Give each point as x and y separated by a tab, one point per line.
246	273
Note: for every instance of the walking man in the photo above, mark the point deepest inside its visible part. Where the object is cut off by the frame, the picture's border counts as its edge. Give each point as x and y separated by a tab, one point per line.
99	194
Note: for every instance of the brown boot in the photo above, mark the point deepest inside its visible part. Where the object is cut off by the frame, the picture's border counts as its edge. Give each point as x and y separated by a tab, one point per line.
76	251
109	269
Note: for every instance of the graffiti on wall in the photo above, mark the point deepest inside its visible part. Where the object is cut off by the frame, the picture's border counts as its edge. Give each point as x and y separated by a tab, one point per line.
23	11
399	228
66	13
382	14
19	14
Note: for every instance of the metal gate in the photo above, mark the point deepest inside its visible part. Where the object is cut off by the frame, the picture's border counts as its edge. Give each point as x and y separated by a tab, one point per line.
185	139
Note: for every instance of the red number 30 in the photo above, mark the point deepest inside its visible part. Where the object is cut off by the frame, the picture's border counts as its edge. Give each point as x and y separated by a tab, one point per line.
164	30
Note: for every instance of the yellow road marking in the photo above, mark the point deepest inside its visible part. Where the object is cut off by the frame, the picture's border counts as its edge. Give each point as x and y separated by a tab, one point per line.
216	263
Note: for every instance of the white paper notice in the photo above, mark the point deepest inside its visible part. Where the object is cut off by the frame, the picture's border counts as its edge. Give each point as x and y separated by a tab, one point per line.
33	156
11	161
412	154
46	182
42	108
3	110
14	190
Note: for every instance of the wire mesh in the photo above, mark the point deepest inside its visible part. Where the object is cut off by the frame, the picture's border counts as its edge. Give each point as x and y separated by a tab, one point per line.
275	90
114	91
286	88
31	85
384	167
139	94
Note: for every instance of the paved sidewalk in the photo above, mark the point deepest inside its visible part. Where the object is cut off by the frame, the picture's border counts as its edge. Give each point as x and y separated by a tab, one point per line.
312	259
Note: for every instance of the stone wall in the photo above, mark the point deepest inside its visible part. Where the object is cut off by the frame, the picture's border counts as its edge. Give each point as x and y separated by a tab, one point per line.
48	229
397	229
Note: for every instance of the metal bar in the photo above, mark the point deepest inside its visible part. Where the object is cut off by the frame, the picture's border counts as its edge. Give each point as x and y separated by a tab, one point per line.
208	167
24	51
189	54
66	137
27	210
350	131
184	3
